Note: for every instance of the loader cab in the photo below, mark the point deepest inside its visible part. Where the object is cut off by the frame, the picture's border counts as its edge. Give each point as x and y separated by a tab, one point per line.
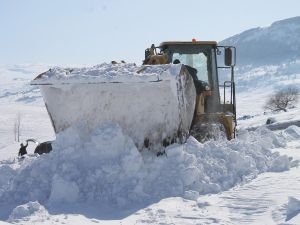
200	60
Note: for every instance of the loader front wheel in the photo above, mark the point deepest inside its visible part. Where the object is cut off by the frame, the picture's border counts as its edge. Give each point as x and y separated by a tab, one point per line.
208	131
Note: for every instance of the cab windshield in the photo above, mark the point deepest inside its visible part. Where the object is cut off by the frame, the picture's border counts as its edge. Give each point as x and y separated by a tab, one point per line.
202	59
195	60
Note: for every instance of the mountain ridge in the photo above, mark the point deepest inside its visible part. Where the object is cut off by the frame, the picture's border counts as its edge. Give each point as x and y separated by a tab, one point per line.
279	40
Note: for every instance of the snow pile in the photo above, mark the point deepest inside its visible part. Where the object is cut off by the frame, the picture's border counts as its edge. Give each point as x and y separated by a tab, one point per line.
124	72
293	208
27	210
81	167
104	165
291	133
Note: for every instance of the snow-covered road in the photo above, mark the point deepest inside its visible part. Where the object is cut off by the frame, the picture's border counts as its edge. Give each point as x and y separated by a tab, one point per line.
261	201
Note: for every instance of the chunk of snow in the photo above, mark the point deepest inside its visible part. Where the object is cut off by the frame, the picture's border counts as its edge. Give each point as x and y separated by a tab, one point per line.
279	164
291	133
293	208
26	210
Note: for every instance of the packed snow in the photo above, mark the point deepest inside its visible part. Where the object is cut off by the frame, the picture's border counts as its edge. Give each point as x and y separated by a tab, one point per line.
107	72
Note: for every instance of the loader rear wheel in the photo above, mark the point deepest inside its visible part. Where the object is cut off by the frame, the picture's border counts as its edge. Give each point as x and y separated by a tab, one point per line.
208	131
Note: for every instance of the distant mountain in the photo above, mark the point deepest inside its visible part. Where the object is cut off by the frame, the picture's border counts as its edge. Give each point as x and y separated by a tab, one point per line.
278	43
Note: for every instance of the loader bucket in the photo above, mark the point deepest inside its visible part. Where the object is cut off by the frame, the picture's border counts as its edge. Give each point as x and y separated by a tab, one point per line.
151	103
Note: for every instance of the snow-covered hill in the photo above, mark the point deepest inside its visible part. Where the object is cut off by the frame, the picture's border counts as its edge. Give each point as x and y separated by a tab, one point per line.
268	58
276	44
268	77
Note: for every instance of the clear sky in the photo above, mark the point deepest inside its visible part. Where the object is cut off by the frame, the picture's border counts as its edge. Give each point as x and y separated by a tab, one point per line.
95	31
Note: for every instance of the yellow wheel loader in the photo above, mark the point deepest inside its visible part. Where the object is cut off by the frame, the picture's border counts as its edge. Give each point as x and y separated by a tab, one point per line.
211	114
174	94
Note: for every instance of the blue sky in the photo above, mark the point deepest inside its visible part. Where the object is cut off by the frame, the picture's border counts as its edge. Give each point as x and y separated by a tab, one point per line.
90	31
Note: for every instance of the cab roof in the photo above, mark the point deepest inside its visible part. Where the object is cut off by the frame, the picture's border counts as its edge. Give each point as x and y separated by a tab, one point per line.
214	43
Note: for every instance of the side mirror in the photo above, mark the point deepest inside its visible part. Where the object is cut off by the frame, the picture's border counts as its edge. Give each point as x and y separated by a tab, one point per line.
228	57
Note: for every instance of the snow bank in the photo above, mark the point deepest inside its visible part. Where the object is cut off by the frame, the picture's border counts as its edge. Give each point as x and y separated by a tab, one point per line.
104	165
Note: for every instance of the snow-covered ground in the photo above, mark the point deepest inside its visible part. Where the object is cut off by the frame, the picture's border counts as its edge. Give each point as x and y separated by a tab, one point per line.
102	178
250	112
